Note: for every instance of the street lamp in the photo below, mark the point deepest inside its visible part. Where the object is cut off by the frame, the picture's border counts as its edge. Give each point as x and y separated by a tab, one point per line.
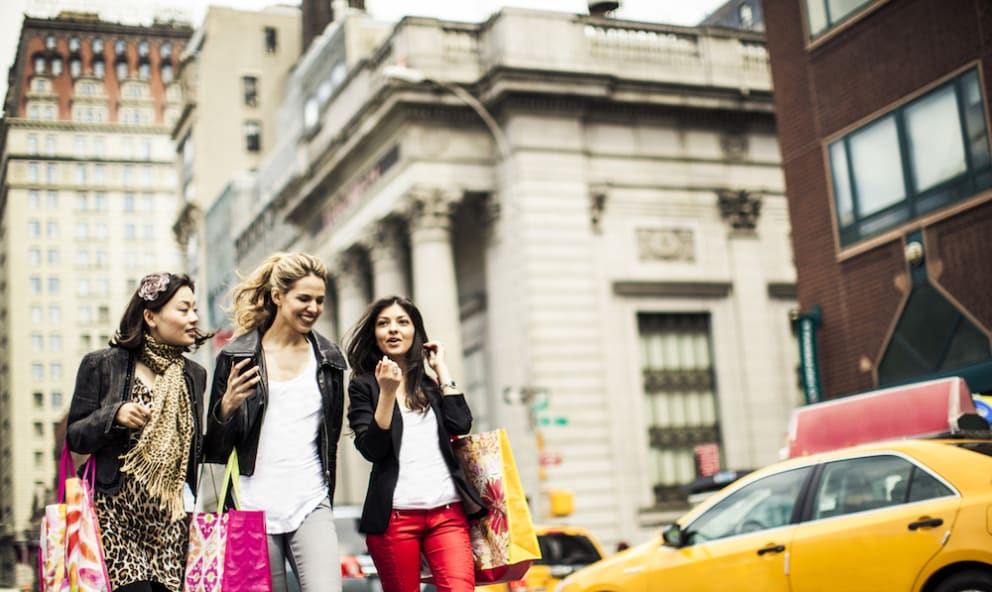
409	75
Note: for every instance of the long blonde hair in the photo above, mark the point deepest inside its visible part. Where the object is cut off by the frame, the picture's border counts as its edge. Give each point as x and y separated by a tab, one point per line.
252	298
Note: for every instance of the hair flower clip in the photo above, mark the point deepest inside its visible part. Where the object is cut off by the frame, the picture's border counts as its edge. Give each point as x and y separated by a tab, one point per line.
152	286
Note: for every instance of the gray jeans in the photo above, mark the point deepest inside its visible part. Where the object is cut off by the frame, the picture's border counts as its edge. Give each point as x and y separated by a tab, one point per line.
312	551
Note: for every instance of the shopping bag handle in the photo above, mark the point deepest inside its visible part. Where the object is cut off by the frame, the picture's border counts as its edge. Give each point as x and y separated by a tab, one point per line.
66	468
232	474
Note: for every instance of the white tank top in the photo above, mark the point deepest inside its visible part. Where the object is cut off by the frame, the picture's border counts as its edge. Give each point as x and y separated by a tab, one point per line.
288	482
424	481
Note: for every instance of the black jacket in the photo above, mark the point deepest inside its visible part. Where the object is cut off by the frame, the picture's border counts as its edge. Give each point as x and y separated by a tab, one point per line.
103	383
381	447
243	428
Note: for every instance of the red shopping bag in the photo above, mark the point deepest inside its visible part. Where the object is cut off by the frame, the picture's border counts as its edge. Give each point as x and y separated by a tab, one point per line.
228	551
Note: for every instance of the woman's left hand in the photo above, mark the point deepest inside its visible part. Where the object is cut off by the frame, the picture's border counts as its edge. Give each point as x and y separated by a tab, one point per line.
434	350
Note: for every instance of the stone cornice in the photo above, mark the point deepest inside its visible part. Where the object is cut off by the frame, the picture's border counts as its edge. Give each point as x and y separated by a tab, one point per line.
672	289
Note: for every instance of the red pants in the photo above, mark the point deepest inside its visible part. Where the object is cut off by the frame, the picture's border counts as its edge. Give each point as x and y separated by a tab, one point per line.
441	534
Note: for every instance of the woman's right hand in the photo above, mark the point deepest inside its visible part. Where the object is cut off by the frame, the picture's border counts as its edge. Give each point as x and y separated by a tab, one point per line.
240	385
133	415
389	376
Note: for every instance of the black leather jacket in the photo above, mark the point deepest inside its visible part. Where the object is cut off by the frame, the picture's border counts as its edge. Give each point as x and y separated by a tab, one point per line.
244	427
103	383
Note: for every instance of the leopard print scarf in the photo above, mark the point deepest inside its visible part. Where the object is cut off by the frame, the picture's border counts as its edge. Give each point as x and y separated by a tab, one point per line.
158	460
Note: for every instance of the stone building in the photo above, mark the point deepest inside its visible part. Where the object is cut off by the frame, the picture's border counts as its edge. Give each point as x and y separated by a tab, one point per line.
87	193
590	213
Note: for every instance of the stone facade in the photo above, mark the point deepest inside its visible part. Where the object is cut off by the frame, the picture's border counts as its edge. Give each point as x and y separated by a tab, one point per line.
555	191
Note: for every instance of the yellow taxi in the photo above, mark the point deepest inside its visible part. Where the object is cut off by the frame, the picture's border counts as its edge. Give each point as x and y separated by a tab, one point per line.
564	549
908	515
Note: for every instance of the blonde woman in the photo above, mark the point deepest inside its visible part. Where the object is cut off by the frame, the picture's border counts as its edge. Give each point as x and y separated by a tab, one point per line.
278	398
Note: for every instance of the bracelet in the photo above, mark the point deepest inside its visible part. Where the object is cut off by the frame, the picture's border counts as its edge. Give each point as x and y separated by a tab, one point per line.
449	384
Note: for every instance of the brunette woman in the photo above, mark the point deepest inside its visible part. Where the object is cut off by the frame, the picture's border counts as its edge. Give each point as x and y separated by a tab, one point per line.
136	409
419	500
278	398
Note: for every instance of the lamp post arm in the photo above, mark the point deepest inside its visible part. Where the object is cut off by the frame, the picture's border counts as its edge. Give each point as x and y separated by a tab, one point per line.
502	143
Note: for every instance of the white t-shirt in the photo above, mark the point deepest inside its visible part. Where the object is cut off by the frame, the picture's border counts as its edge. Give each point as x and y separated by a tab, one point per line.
424	481
288	482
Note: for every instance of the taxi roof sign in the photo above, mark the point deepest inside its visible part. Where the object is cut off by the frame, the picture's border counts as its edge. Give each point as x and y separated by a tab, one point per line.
914	410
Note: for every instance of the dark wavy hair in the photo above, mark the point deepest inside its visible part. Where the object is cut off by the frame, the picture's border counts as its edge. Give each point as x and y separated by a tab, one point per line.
130	334
364	353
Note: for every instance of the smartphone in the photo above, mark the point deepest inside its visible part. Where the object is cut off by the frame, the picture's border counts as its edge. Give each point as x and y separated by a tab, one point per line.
238	358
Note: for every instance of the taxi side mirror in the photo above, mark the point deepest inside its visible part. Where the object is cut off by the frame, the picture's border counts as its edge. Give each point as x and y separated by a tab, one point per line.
674	536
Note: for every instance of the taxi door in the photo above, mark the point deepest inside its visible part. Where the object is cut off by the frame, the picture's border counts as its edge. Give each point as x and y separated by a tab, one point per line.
741	543
876	522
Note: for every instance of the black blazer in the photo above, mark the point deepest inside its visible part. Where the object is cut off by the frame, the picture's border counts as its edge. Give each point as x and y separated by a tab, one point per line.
103	383
244	427
381	447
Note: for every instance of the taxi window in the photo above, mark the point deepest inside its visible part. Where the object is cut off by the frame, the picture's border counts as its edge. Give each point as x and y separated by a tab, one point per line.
566	549
869	483
763	504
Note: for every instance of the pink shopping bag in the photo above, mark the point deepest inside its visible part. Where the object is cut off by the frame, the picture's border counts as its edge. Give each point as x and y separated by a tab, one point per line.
228	551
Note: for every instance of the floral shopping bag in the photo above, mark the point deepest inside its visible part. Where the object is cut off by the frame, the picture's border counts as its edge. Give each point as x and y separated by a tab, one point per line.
504	542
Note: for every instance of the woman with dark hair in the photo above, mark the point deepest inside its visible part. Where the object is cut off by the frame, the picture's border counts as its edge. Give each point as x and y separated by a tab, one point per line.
278	399
419	500
136	409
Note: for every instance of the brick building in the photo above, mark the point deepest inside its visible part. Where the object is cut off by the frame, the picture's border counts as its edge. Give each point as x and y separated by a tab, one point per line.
883	125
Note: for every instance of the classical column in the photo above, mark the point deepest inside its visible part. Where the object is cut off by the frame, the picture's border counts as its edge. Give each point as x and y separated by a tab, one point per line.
435	290
387	253
352	299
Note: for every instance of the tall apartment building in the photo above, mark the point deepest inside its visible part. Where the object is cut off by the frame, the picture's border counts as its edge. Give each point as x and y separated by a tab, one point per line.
232	74
87	199
883	111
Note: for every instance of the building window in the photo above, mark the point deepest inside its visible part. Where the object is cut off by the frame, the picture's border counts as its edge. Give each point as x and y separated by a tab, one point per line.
36	313
34	256
52	229
99	69
681	402
37	343
50	172
34	199
143	49
54	313
84	314
823	15
75	68
74	43
52	200
34	229
53	256
56	399
920	157
167	74
39	65
50	145
97	46
39	398
128	202
99	147
35	283
55	371
33	172
165	51
745	15
79	146
253	142
271	40
120	68
55	343
144	71
53	285
32	144
250	85
49	41
57	67
120	47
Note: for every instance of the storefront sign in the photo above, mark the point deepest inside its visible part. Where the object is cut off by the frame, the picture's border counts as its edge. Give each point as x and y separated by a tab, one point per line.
809	359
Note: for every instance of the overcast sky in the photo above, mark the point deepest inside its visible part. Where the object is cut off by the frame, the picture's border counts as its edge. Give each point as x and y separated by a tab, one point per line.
679	12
